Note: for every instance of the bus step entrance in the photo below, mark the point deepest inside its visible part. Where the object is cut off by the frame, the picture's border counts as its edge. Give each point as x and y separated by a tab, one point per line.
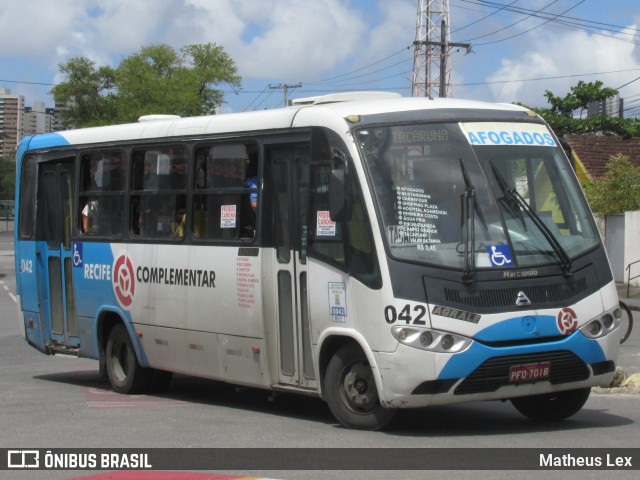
55	348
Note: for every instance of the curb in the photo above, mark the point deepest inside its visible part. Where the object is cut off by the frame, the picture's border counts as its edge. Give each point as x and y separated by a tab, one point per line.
621	383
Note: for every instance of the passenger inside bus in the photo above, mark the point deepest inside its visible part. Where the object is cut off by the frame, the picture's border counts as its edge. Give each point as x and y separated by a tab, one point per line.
224	208
102	173
159	184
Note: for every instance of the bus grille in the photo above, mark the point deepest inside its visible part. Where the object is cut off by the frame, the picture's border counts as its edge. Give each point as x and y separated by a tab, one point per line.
506	297
494	373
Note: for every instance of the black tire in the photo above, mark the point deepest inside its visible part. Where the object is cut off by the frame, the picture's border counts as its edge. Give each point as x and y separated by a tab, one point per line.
351	392
626	324
125	373
552	407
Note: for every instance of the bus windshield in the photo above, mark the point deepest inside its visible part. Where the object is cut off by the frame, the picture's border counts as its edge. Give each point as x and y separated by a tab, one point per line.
476	195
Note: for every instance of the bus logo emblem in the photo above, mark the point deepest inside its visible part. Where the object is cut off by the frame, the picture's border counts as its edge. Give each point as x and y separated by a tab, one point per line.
522	300
124	284
567	321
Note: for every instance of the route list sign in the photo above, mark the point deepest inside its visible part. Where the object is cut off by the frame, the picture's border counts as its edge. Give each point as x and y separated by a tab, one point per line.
417	219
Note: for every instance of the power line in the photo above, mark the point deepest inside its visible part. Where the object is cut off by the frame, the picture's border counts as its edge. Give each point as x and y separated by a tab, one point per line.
285	88
511	25
533	28
546	78
565	21
359	69
628	83
25	82
484	18
575	20
255	99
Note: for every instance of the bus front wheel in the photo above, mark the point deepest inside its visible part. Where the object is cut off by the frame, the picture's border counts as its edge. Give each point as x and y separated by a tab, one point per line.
351	391
125	373
552	406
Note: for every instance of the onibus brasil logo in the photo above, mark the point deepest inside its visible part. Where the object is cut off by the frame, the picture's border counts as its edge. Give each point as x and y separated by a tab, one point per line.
124	282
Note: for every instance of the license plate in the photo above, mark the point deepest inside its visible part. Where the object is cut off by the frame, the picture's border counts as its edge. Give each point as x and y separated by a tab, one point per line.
530	372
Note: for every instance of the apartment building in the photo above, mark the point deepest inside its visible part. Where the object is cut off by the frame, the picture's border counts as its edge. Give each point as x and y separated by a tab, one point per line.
11	122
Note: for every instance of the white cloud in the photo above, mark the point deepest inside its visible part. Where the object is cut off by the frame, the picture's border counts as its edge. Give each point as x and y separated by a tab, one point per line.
37	34
307	40
570	55
301	40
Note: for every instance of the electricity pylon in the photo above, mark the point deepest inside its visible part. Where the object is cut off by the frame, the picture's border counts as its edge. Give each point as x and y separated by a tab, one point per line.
432	50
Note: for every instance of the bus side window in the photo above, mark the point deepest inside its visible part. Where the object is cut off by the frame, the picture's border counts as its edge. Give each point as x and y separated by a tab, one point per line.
159	193
226	192
347	245
363	262
101	193
325	236
27	216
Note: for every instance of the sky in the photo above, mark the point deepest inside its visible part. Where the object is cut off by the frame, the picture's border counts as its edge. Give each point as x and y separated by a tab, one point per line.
519	49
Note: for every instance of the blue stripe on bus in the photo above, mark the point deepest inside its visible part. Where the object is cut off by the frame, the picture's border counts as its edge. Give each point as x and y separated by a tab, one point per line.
525	327
47	140
461	365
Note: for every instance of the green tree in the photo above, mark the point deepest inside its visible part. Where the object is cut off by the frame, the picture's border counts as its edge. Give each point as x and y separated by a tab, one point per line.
87	93
158	79
7	179
565	114
618	190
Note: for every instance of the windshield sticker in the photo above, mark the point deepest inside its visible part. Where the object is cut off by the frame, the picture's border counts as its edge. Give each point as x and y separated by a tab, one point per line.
500	255
325	227
228	216
417	215
503	133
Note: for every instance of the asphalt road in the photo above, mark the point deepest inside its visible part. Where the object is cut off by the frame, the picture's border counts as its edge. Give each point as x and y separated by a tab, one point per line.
61	402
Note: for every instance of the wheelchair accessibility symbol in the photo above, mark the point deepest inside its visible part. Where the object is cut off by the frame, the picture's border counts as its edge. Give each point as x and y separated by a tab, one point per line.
77	254
499	255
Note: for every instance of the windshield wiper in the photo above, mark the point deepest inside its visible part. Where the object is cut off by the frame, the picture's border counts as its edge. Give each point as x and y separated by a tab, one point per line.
469	208
507	199
516	202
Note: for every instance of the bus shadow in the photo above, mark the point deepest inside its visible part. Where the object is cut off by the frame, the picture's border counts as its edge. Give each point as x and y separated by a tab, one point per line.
185	391
492	418
467	419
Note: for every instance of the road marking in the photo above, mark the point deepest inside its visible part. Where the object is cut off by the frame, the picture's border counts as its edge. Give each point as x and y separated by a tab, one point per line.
13	297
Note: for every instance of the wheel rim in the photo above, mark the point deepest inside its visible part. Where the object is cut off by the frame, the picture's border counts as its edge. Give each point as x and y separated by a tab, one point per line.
359	388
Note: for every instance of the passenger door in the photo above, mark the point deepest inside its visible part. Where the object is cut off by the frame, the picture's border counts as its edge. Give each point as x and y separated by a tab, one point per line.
290	186
55	253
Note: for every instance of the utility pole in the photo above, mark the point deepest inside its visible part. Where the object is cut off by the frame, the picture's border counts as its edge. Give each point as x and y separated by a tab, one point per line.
431	59
286	88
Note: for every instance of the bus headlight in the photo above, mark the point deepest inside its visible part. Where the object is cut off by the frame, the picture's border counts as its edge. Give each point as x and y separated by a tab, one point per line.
602	325
607	320
446	342
426	338
431	340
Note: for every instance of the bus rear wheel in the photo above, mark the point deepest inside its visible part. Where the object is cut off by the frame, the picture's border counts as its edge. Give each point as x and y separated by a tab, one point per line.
125	373
552	406
351	391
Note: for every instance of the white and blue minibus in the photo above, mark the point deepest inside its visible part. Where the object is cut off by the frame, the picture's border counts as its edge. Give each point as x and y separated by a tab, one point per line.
376	251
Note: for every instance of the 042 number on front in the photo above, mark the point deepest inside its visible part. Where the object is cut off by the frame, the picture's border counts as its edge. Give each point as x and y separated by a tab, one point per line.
411	316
